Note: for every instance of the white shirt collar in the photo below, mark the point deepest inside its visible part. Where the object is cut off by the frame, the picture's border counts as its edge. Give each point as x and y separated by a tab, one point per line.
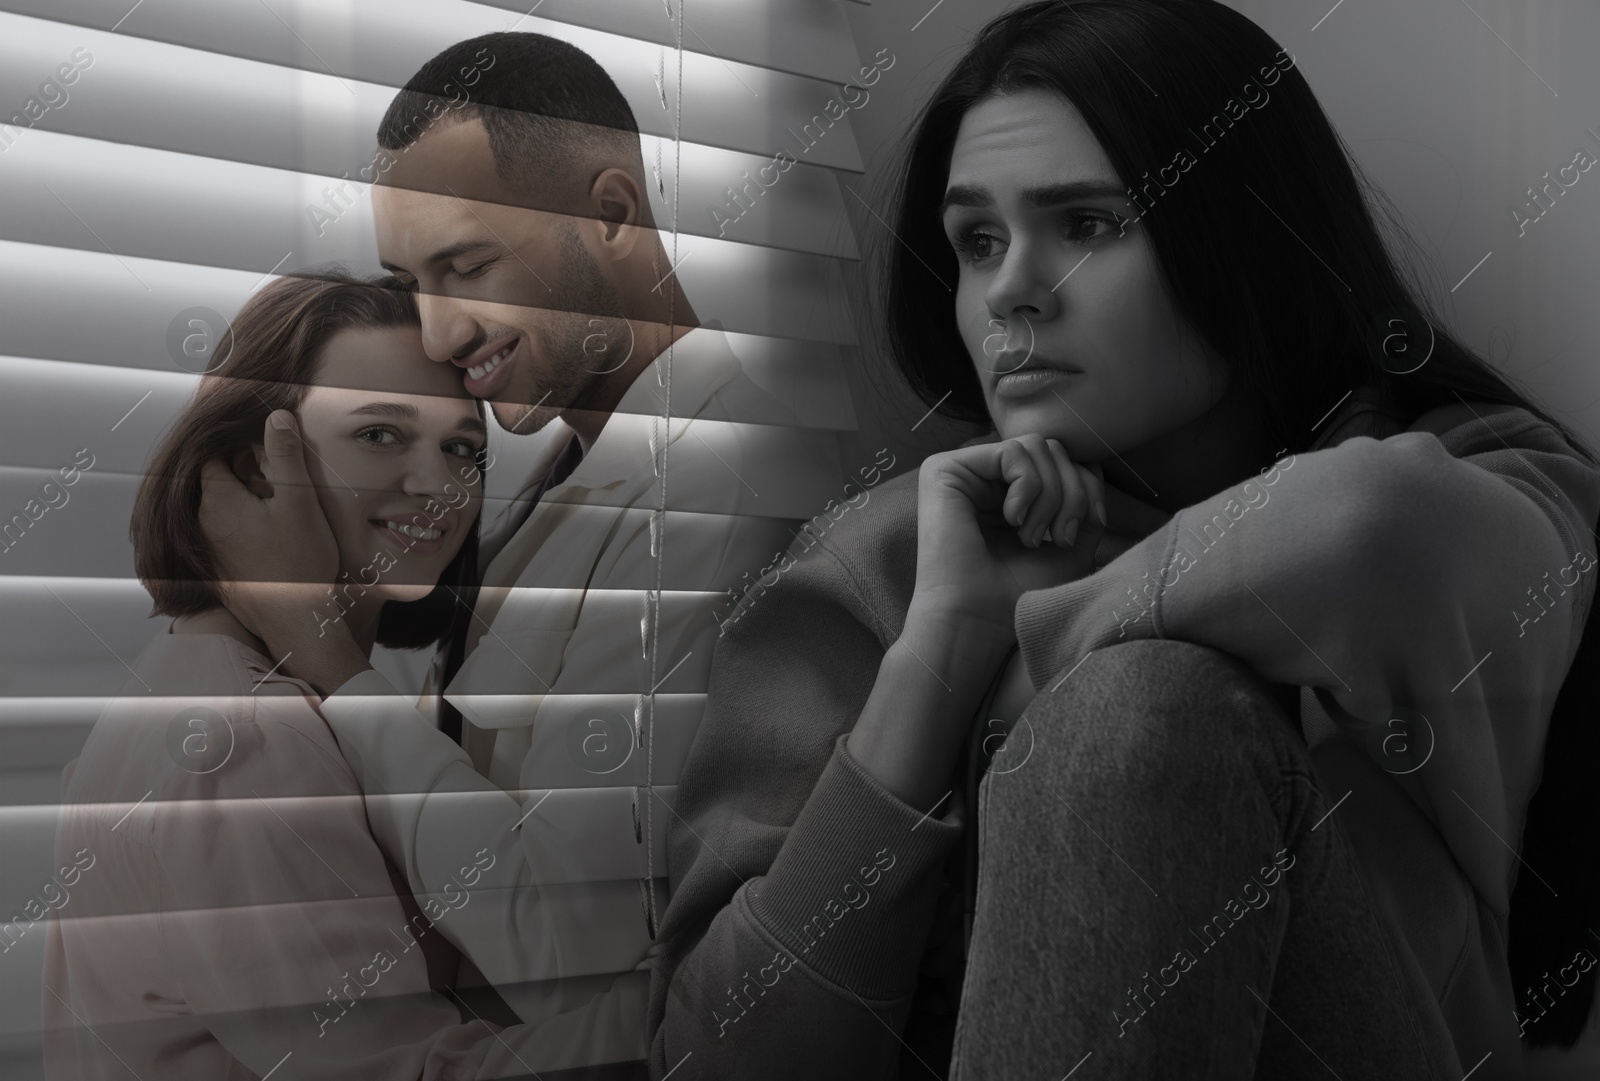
700	363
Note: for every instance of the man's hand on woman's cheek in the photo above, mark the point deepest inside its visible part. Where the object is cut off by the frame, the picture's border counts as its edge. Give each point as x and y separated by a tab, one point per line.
274	552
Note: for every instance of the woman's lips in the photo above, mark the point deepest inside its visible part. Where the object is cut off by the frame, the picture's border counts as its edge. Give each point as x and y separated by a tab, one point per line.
412	537
1031	380
489	378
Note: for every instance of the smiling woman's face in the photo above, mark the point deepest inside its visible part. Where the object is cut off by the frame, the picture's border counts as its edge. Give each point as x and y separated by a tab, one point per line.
1061	308
393	440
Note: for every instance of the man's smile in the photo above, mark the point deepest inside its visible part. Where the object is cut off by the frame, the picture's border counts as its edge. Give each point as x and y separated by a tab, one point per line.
487	370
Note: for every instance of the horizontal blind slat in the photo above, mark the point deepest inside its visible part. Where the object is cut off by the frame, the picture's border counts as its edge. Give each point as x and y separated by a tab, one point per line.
312	120
45	291
194	209
811	38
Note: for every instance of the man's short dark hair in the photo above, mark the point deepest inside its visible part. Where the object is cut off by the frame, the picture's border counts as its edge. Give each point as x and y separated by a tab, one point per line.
542	101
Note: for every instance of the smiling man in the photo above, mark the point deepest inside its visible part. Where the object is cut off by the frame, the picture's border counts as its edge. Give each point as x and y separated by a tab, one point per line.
521	219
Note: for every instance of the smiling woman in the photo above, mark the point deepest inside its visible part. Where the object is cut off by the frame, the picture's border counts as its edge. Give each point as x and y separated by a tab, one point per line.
236	874
346	356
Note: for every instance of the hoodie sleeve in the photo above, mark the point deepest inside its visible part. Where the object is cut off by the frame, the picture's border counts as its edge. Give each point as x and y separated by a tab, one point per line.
1437	579
803	891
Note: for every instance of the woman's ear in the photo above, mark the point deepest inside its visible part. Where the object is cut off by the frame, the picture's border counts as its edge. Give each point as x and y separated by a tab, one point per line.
246	465
621	211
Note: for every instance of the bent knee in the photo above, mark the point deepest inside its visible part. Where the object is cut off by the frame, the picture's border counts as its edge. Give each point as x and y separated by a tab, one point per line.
1149	676
1155	703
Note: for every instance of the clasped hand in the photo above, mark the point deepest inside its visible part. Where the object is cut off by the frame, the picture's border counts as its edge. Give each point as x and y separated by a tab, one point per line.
997	520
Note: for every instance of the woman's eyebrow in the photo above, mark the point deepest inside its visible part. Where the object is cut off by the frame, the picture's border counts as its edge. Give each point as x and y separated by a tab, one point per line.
1072	191
403	411
1037	198
397	410
964	195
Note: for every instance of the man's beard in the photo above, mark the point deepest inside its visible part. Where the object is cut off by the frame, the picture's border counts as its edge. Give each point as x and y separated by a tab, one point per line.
584	307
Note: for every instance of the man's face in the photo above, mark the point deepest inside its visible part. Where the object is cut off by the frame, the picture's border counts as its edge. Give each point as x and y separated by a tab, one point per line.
510	295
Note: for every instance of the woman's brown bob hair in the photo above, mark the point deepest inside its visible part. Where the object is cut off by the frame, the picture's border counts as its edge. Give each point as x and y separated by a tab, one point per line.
264	362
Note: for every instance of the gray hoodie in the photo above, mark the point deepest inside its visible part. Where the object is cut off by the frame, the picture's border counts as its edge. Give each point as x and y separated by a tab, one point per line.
804	892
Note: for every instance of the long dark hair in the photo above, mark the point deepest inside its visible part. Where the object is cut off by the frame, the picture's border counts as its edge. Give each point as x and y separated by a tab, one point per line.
1268	245
265	361
1270	248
